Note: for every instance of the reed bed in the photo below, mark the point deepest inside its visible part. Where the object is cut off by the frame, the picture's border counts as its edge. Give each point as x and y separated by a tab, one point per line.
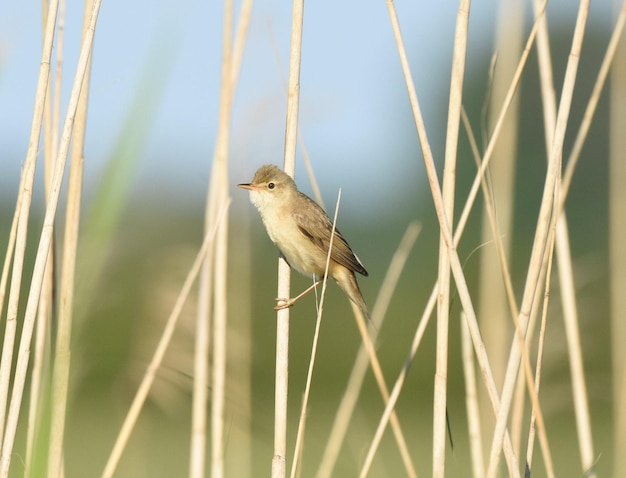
466	386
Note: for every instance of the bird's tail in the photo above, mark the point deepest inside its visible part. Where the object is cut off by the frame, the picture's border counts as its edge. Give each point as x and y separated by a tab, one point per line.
350	286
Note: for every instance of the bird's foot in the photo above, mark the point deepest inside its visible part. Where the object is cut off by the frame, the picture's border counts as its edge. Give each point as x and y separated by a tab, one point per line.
283	303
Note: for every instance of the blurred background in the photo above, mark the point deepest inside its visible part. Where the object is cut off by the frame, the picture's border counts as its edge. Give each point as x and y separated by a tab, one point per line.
151	131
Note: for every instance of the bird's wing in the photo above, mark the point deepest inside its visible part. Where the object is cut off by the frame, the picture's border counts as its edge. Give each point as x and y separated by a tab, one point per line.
317	229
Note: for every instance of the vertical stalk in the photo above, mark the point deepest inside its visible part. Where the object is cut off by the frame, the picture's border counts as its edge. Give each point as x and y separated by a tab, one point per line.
279	461
23	204
493	303
449	181
544	223
44	244
61	371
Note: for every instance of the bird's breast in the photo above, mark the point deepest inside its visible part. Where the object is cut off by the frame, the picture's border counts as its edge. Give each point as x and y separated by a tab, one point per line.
299	251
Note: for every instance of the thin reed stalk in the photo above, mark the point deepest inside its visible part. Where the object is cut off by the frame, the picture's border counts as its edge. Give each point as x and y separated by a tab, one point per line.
213	281
545	221
610	57
298	449
159	353
508	287
566	279
471	403
279	460
46	238
449	184
38	383
455	262
345	410
495	294
536	416
23	208
61	370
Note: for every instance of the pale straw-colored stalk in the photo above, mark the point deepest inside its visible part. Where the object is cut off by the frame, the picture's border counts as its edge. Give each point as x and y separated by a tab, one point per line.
298	449
211	320
536	417
471	402
46	236
545	222
279	459
345	410
455	263
23	211
564	264
494	293
505	273
397	388
449	183
213	281
40	368
61	368
159	353
610	57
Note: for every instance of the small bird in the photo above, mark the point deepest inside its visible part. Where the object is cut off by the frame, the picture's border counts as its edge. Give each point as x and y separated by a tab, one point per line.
302	230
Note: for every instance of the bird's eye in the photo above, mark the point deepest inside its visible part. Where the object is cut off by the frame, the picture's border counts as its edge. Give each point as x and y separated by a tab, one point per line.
271	186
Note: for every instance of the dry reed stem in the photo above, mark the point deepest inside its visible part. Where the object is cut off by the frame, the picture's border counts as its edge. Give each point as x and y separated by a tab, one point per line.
566	279
488	154
471	402
219	351
159	353
502	263
473	191
449	181
11	248
317	195
216	279
298	449
61	370
544	223
455	263
590	109
419	333
197	449
38	390
536	418
506	277
494	294
47	229
38	378
212	299
458	233
347	405
4	277
384	391
46	234
279	460
397	388
23	203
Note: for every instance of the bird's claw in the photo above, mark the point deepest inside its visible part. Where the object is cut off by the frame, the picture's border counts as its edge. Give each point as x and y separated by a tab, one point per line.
283	303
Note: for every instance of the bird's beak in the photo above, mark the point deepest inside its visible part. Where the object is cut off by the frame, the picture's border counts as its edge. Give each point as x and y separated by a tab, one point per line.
248	186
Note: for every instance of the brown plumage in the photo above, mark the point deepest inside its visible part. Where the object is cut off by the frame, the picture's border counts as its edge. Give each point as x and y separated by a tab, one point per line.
301	230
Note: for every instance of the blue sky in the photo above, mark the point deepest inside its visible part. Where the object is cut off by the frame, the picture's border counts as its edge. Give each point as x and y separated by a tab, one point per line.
355	117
